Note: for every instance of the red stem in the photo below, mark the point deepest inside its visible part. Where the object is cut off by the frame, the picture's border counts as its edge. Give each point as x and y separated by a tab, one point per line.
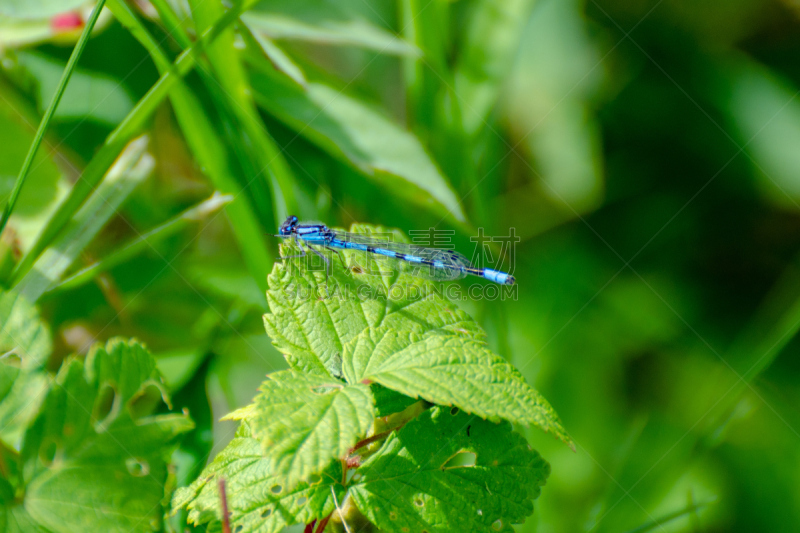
226	519
323	523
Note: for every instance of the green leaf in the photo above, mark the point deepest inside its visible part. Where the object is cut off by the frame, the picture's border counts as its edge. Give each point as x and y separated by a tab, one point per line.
305	421
388	401
321	22
311	331
25	347
33	9
446	471
17	520
490	44
396	330
257	499
447	368
89	95
131	169
97	440
22	331
361	136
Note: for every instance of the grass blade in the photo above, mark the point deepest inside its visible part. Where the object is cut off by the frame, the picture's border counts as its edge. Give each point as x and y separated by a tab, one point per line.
209	150
48	114
145	241
133	124
233	93
133	166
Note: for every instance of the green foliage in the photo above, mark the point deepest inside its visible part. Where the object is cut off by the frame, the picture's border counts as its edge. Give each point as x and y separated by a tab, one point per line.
424	477
304	421
96	440
351	131
91	434
645	154
411	341
258	500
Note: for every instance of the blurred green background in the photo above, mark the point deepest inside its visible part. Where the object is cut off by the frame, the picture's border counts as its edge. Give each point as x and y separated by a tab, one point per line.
647	153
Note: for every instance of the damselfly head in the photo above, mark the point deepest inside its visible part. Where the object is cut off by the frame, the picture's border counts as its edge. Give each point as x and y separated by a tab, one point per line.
288	226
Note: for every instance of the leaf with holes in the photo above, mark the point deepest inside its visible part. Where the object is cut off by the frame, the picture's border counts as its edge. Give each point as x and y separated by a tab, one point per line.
446	368
305	421
311	330
96	439
257	499
448	471
25	347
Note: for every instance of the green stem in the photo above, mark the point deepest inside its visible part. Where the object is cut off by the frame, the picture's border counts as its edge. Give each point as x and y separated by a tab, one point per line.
48	114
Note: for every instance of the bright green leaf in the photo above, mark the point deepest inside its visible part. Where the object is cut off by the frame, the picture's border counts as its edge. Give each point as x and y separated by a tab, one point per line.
311	331
97	440
388	401
447	471
396	330
305	421
257	499
321	22
352	131
447	368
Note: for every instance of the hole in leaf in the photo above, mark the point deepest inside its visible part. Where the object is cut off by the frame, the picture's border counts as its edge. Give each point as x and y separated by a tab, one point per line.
497	525
314	479
145	401
454	411
266	512
238	528
418	502
302	500
276	489
137	467
480	512
461	459
105	407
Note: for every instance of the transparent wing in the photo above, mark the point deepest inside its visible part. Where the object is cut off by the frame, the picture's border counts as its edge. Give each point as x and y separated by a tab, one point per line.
453	263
